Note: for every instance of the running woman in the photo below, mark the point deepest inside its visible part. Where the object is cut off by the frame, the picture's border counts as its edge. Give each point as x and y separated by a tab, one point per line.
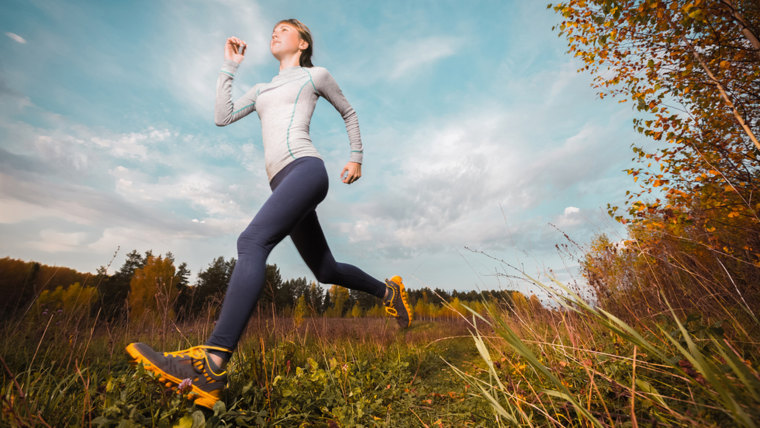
299	182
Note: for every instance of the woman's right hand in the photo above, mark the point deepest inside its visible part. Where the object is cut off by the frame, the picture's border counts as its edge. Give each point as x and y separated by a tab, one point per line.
234	49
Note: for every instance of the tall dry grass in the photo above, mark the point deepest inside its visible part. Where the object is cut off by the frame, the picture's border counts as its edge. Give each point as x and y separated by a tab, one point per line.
630	358
62	369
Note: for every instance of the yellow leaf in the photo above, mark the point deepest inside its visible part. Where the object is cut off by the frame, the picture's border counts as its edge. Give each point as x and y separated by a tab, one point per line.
185	422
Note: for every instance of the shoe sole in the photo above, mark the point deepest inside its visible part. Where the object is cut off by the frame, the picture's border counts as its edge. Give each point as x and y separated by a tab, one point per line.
197	395
406	306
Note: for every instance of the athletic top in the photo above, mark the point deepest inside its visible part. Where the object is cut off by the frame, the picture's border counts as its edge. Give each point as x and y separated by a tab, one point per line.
285	106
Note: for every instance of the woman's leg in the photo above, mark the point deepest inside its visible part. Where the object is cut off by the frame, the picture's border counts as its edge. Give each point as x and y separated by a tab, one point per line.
312	245
297	190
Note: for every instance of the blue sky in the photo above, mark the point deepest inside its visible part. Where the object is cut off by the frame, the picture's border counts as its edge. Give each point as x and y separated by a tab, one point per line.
478	133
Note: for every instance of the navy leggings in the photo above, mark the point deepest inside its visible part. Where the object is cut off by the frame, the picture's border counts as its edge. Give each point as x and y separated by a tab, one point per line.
290	210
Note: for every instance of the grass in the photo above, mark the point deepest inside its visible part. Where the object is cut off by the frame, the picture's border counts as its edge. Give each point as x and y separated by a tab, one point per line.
577	365
336	372
583	366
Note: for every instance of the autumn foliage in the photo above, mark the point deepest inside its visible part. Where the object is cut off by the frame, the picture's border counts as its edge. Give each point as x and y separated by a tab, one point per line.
73	299
692	71
22	282
153	289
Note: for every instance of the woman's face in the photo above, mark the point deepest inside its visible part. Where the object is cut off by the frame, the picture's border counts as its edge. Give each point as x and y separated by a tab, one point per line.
286	41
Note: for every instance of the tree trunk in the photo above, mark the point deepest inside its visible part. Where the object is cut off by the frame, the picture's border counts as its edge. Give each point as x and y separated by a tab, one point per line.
723	94
748	34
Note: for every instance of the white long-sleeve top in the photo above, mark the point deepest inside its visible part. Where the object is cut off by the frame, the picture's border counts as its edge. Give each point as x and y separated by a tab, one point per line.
285	106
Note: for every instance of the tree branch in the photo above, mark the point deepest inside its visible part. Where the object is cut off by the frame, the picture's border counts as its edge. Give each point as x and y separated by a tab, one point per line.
723	93
751	37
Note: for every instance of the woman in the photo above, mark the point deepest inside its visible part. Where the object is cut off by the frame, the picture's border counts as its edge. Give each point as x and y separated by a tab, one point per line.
299	183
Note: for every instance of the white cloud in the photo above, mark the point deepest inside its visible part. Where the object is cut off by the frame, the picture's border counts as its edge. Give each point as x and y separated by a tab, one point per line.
143	236
562	81
25	198
16	38
53	241
201	190
133	144
99	179
490	177
578	156
62	152
195	33
411	57
570	217
68	146
15	210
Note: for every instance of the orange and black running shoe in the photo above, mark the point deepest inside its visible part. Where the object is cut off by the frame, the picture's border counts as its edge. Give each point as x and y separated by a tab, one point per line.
397	303
190	366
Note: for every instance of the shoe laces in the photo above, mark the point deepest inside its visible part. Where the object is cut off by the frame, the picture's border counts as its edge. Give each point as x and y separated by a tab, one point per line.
389	300
397	292
195	353
198	358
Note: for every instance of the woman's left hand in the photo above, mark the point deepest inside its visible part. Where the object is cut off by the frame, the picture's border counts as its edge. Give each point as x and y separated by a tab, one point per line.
351	172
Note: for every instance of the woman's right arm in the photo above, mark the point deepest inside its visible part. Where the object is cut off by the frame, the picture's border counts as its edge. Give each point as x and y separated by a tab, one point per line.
225	110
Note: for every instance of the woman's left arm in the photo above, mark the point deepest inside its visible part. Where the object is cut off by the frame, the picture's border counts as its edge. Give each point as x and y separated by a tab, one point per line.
328	88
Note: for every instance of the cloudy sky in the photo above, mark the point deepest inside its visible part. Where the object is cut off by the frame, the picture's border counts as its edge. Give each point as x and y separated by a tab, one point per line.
479	135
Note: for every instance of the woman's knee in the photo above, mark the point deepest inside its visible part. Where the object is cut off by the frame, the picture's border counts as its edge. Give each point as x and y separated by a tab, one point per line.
250	241
327	275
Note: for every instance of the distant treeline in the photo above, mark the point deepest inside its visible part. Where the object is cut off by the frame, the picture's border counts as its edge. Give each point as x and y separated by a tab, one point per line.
151	286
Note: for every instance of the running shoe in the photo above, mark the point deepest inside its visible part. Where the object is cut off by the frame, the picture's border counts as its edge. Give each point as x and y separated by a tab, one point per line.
397	303
173	368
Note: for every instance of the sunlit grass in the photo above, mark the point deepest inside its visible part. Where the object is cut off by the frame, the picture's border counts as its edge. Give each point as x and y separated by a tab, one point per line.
584	366
517	364
64	370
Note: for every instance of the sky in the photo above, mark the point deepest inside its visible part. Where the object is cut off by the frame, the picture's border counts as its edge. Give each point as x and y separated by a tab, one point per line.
483	145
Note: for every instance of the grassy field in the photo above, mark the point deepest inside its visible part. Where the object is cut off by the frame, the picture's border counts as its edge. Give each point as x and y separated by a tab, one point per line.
61	371
527	366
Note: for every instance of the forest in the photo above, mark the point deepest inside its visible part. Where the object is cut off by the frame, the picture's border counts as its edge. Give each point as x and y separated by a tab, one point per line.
148	286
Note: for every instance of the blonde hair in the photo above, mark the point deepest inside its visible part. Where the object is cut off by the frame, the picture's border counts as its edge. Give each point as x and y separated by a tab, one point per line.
305	35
